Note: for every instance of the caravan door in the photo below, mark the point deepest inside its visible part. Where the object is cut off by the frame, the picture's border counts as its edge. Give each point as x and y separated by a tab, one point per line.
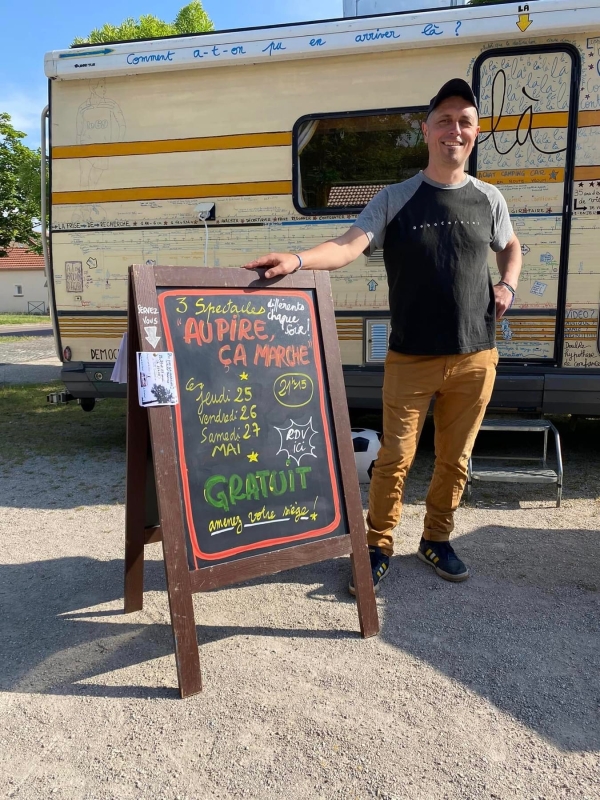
528	114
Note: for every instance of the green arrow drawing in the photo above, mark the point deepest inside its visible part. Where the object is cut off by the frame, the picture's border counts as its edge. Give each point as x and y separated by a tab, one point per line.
104	52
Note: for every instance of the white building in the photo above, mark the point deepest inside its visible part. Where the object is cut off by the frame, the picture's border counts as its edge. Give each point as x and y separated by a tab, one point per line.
23	285
361	8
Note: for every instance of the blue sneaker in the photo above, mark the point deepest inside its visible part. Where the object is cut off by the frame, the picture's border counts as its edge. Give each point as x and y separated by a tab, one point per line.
380	565
443	559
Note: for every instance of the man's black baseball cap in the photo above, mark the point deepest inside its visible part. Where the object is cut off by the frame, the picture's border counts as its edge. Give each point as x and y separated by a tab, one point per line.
454	88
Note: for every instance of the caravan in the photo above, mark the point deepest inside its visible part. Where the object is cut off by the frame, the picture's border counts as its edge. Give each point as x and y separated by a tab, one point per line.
216	148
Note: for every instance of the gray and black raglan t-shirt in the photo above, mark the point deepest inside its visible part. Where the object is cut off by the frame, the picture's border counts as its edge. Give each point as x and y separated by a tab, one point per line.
435	241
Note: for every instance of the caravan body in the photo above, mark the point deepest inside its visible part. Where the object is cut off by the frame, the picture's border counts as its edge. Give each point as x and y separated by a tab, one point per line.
288	131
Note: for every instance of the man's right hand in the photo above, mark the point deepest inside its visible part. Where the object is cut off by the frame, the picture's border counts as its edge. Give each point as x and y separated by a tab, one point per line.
279	263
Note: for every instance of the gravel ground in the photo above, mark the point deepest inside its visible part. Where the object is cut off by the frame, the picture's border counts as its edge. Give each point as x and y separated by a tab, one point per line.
487	689
31	361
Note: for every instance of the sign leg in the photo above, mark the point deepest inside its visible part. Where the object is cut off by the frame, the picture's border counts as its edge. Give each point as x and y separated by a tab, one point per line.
137	448
183	624
137	444
363	584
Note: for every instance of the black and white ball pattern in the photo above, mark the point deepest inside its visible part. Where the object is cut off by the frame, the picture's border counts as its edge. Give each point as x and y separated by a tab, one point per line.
366	446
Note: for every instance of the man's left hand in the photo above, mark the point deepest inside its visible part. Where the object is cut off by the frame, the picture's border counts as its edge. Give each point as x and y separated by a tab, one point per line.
504	300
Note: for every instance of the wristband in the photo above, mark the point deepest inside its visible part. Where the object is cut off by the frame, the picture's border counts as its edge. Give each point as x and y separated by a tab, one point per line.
510	289
300	263
508	286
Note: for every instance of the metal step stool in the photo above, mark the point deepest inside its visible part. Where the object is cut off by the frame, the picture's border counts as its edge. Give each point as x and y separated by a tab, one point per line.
518	474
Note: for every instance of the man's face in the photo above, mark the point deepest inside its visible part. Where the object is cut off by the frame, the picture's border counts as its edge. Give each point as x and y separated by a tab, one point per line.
450	132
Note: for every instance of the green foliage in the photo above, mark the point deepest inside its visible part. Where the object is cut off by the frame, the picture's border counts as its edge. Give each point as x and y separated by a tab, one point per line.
30	426
190	19
22	319
193	19
19	189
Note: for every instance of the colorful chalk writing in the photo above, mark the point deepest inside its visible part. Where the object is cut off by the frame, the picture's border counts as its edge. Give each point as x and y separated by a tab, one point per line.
258	463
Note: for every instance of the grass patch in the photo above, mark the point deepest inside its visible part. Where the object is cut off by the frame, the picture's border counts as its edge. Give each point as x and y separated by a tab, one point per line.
9	339
31	426
23	319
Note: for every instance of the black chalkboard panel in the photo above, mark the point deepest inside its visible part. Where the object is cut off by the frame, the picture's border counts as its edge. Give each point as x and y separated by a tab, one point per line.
258	462
254	468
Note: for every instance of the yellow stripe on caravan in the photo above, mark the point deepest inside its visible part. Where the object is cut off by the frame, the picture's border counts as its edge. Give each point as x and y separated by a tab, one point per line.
517	176
587	119
172	192
552	119
349	329
587	173
92	327
105	328
92	334
156	146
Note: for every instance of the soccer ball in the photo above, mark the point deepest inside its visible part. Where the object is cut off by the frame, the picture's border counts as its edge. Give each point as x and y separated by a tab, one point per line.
366	446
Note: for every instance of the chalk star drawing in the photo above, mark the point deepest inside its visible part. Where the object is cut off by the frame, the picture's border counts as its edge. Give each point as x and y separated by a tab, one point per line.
314	515
296	440
244	376
253	457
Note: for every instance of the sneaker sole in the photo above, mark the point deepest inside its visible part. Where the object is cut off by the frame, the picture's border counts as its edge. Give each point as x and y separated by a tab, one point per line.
445	575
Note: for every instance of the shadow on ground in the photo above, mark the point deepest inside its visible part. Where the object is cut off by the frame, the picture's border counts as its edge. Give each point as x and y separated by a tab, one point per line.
522	633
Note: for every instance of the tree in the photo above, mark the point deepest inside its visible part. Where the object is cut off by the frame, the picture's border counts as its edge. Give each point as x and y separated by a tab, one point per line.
162	393
20	207
190	19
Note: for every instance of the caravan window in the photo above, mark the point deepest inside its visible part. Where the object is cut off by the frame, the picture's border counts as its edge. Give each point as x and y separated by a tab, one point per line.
343	160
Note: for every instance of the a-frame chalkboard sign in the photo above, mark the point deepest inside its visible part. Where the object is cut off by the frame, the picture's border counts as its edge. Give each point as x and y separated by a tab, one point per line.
254	466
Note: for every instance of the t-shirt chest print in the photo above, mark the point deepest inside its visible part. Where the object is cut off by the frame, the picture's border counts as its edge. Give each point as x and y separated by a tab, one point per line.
434	217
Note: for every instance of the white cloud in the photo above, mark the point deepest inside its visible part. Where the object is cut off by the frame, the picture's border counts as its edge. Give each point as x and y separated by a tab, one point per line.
25	109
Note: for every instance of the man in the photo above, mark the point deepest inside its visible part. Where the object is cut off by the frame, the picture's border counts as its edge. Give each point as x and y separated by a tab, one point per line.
435	230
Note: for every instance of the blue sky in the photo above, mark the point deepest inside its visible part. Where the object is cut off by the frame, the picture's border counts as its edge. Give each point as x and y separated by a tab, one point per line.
29	30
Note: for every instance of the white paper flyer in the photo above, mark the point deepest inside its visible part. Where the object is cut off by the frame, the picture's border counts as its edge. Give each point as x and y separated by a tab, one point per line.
156	380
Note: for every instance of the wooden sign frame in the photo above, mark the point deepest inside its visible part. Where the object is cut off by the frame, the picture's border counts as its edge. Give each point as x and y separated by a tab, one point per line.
155	425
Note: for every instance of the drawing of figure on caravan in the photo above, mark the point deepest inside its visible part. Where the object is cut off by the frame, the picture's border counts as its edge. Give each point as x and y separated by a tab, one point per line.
99	121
